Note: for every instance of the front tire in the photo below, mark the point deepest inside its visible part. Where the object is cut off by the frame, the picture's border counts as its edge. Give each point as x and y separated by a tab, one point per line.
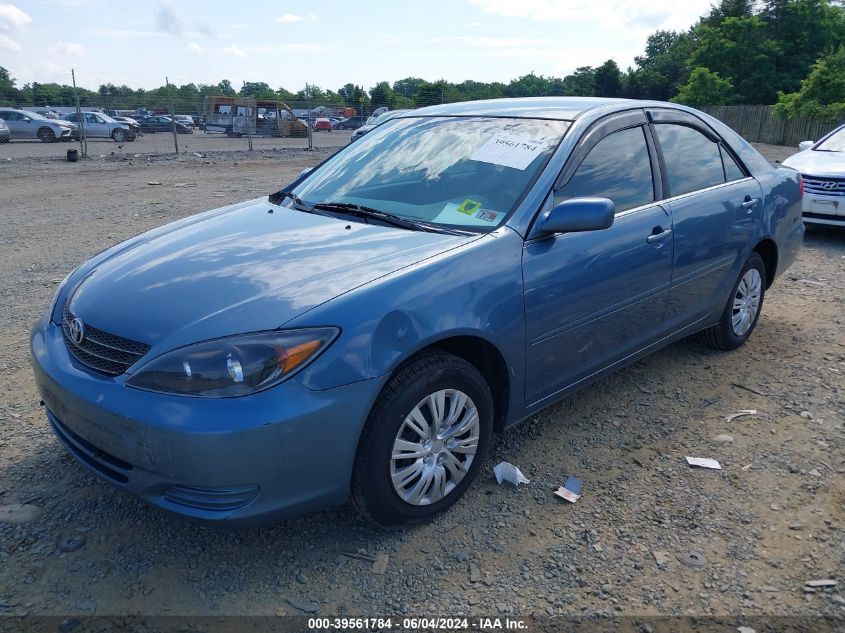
118	136
424	441
46	135
742	310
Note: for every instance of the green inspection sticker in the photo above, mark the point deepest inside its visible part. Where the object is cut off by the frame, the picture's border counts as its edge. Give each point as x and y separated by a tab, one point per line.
468	207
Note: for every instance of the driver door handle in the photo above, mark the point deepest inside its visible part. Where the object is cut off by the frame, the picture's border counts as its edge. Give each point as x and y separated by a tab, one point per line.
658	235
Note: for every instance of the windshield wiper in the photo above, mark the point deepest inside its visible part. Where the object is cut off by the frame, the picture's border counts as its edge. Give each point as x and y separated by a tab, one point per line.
365	212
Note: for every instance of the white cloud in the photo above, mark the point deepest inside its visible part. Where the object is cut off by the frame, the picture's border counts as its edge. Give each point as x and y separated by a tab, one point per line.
663	14
7	43
235	50
12	18
195	48
69	49
312	17
289	17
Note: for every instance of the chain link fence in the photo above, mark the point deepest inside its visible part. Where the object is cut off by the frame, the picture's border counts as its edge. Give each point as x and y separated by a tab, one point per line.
179	119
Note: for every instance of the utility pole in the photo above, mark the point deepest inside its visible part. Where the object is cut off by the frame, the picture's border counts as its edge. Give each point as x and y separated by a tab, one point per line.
83	142
253	115
310	125
172	115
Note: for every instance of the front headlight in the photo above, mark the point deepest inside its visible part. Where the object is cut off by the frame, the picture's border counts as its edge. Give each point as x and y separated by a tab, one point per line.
234	366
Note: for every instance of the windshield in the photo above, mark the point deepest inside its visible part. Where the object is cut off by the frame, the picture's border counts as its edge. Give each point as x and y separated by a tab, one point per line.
836	142
458	172
34	115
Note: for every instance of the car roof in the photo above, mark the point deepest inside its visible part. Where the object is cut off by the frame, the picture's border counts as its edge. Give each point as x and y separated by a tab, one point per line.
561	108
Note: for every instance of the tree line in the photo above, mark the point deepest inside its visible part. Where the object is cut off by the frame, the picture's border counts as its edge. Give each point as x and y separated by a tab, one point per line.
785	52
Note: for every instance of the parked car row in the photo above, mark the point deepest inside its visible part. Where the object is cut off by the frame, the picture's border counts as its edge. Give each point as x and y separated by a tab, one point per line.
374	122
28	124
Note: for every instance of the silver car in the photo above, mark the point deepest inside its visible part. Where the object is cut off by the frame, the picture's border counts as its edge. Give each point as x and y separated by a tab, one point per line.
5	134
27	124
99	125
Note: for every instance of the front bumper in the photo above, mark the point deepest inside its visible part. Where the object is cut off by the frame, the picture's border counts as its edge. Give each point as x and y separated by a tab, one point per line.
823	209
236	461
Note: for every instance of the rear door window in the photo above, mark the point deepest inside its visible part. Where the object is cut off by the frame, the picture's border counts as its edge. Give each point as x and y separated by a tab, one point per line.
692	160
618	167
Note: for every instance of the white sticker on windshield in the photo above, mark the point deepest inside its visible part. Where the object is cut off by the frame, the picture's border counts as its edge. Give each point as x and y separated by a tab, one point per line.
455	214
509	151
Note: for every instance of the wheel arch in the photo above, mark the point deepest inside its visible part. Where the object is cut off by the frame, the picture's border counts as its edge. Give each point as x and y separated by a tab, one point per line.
481	354
768	251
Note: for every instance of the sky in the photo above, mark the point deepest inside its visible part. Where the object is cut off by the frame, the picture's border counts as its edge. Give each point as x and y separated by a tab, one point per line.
324	42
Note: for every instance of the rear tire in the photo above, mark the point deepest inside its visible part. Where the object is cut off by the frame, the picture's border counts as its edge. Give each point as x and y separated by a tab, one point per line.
739	318
46	135
450	449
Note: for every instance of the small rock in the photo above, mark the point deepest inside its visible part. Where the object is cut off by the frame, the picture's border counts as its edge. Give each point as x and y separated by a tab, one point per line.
306	606
723	439
607	587
380	563
474	573
69	625
821	583
301	578
745	629
72	544
86	605
806	415
19	513
815	472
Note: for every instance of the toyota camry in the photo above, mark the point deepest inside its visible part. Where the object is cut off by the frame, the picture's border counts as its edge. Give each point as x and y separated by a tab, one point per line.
362	333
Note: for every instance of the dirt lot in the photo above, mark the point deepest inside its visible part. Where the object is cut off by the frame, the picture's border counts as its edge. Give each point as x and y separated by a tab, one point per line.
162	143
771	520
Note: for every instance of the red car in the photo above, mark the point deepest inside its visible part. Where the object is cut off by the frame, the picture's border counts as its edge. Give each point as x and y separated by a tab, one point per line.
322	124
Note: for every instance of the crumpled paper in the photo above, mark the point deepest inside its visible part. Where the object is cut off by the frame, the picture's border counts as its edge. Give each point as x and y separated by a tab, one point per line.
505	471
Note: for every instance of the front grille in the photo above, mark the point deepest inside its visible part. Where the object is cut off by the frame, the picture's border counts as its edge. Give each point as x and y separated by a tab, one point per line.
101	351
824	186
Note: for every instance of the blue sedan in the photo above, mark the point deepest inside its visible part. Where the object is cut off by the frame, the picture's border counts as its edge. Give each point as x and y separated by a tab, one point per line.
362	333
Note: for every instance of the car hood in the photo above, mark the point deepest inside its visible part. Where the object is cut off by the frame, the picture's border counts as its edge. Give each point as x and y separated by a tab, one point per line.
814	163
247	268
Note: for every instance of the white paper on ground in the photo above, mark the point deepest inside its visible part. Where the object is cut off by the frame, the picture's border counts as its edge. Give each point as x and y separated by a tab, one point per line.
506	471
509	150
704	462
739	414
566	493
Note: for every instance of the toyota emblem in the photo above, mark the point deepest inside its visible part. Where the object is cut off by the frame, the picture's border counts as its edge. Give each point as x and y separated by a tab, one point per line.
77	330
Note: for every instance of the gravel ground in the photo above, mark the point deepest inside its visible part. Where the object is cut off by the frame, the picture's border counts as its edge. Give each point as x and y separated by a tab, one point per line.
771	520
162	143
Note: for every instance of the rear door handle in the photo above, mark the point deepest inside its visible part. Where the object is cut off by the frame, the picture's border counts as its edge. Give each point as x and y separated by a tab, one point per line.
656	237
749	203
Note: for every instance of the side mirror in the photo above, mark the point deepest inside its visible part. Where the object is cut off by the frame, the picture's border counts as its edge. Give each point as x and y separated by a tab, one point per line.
805	145
27	119
579	214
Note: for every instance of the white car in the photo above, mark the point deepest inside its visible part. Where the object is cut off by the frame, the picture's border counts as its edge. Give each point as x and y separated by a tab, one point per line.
822	165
